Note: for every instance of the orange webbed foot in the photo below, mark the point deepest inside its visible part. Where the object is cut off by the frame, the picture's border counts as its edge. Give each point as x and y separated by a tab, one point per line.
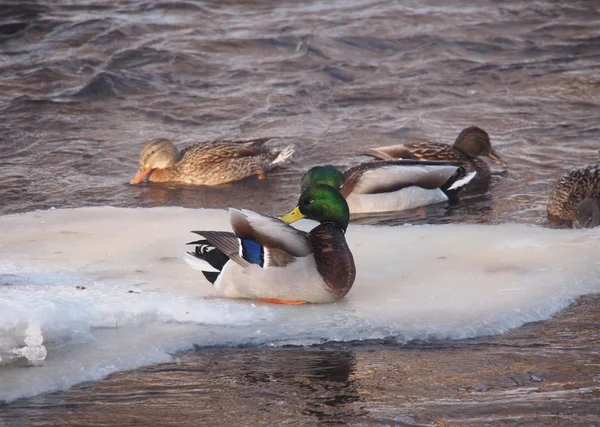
260	174
421	212
281	301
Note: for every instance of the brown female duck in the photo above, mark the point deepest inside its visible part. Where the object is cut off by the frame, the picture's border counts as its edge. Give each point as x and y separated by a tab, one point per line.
471	143
574	199
208	163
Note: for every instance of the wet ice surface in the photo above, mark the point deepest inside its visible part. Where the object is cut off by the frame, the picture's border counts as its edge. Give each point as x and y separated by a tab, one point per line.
90	291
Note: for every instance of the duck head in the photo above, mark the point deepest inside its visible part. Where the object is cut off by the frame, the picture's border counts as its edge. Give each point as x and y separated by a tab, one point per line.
322	175
157	154
321	203
475	142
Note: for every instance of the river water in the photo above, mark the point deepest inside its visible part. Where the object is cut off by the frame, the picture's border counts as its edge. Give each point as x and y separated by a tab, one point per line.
85	84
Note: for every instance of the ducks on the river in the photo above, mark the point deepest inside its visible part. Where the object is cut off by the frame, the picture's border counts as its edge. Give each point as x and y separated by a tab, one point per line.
267	259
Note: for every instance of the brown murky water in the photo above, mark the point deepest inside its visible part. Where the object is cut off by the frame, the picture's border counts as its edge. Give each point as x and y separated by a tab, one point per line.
84	85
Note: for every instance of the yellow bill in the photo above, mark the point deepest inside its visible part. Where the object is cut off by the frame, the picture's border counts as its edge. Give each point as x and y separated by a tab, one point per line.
140	175
495	157
292	216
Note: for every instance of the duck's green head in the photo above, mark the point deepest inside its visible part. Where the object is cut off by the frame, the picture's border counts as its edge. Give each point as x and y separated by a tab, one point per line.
322	175
321	203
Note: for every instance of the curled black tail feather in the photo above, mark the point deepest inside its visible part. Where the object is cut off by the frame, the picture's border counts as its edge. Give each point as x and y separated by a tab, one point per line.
217	259
452	194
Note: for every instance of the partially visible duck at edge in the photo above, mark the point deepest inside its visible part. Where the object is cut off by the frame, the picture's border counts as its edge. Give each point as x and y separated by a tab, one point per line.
391	185
471	143
208	163
575	200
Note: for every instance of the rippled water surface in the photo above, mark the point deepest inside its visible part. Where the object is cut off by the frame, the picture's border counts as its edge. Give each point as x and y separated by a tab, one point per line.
84	84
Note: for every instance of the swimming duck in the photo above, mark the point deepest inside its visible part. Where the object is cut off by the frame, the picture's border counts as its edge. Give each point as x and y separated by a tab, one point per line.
574	199
391	185
471	143
268	260
208	163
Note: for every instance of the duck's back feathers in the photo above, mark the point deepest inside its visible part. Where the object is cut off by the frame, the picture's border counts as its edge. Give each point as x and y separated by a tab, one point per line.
429	150
394	185
227	148
223	151
393	175
570	190
270	232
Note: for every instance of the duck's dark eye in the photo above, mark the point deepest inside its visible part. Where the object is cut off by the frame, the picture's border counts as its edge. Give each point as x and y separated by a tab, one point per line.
152	152
310	201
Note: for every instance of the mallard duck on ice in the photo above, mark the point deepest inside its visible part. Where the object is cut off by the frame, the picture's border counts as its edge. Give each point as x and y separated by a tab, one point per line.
268	260
208	163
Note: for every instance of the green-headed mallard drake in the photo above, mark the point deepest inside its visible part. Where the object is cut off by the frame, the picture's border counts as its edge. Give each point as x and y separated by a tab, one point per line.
268	260
574	200
208	163
391	185
471	143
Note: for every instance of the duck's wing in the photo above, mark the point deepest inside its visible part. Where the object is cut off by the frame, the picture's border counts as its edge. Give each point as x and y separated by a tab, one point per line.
217	247
266	240
436	151
252	141
227	149
212	253
216	152
393	175
390	152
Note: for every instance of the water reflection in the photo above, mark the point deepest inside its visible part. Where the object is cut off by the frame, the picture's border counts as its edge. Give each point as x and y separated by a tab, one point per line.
320	380
273	195
213	387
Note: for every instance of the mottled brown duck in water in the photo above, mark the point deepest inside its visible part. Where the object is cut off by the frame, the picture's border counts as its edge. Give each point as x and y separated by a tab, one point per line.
208	163
574	200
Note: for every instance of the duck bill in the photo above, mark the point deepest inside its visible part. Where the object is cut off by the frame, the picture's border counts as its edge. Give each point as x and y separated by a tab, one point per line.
495	157
140	175
292	216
